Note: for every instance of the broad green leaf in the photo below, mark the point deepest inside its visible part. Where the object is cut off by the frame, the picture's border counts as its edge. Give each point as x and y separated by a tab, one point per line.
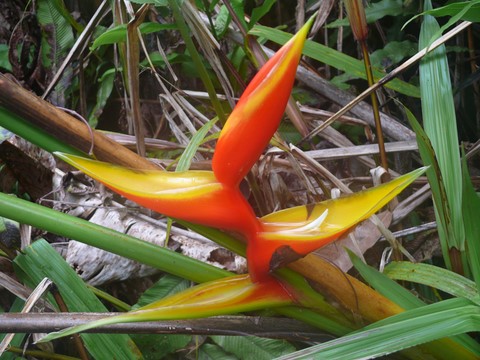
152	345
155	347
465	10
252	347
4	61
222	21
40	260
470	211
165	286
261	11
403	331
393	53
118	33
375	11
334	58
434	276
440	125
57	34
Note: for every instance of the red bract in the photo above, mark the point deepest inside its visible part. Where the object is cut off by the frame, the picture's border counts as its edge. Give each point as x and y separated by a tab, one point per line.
258	113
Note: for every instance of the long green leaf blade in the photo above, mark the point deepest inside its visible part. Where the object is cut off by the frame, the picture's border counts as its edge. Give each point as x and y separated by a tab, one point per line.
403	331
438	112
40	260
434	276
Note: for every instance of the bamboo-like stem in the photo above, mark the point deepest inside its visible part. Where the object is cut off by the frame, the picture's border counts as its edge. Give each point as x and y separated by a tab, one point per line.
376	109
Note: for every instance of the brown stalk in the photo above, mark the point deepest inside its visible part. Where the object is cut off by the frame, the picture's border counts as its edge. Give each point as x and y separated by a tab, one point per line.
77	340
133	59
358	23
64	126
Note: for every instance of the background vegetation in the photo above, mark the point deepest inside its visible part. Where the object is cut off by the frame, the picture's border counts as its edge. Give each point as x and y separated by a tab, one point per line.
161	77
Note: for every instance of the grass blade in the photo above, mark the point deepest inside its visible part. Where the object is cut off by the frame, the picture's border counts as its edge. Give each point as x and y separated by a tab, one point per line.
438	112
436	277
470	211
402	331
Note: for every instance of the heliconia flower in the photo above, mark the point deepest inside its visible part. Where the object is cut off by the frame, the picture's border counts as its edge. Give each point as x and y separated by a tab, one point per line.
194	196
229	295
302	229
257	114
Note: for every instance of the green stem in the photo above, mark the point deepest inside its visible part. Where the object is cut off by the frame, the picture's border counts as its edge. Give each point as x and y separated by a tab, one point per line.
29	132
107	239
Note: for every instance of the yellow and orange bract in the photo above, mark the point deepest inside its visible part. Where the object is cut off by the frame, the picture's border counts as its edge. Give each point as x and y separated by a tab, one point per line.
225	296
194	196
309	227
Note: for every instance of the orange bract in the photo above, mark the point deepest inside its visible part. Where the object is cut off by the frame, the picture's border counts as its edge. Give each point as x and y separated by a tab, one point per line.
258	113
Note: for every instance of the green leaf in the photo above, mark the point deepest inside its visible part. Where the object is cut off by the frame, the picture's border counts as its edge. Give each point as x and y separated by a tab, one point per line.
4	61
152	345
105	87
261	11
222	21
334	58
57	34
384	285
375	11
192	147
434	176
156	347
214	352
38	261
165	286
118	33
403	331
440	125
470	211
393	53
252	347
434	276
466	10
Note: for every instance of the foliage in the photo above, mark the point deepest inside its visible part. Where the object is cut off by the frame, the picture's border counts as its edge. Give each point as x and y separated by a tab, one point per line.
194	59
